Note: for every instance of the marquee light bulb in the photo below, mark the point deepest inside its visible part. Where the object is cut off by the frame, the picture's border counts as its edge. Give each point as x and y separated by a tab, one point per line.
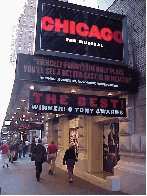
73	91
32	87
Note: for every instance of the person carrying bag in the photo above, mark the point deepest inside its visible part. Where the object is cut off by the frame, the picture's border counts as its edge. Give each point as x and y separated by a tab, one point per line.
40	152
70	159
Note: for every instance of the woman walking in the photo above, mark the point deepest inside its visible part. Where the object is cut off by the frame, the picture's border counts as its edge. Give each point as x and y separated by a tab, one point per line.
20	148
4	149
70	158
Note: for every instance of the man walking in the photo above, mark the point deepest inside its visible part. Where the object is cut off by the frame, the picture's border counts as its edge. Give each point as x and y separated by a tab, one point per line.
39	151
52	154
12	150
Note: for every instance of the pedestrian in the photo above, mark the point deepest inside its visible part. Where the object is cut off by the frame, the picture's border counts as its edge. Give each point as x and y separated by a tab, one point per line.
4	149
32	146
20	148
70	158
24	149
40	152
27	145
12	150
52	154
16	148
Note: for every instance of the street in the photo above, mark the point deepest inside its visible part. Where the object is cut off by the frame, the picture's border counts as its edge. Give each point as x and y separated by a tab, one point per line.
19	179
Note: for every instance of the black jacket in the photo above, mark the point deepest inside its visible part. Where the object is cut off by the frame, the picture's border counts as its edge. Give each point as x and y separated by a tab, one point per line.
39	151
12	147
69	154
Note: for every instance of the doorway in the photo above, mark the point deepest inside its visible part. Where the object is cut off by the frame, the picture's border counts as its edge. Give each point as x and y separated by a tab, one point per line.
110	146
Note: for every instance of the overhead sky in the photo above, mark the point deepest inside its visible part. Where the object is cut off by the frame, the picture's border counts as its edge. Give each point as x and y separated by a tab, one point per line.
9	13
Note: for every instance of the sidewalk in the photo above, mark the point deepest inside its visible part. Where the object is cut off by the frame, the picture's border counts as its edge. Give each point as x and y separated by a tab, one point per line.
19	179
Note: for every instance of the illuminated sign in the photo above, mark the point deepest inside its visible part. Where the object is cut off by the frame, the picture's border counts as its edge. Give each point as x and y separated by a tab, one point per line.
82	29
7	123
27	126
65	103
75	72
72	29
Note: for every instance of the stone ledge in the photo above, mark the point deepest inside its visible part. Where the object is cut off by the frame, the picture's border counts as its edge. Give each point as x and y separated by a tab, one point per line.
133	155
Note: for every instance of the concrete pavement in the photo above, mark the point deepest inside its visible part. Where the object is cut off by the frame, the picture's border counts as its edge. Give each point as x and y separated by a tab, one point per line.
19	179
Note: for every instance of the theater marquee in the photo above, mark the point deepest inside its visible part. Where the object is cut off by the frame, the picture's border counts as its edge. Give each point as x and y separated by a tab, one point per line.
65	103
73	72
68	28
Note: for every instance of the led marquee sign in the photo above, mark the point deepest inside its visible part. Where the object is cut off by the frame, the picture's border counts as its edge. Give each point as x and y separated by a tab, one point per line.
75	72
65	29
65	103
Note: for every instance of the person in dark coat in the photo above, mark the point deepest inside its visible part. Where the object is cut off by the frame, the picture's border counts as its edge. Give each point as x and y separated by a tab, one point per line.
12	150
39	151
16	148
70	158
32	146
24	149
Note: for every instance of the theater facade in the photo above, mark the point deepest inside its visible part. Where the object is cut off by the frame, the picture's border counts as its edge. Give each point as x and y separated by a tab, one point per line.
81	62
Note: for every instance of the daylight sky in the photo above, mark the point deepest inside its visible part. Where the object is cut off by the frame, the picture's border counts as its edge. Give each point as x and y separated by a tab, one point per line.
9	13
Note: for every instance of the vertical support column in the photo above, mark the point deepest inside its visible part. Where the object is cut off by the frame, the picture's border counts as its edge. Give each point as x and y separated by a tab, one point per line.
95	146
49	131
63	137
66	132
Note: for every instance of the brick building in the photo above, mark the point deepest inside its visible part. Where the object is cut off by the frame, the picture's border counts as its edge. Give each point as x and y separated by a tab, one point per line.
133	142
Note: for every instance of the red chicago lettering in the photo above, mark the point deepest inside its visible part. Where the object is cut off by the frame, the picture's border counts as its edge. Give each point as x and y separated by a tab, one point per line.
94	32
49	99
59	25
82	29
114	101
72	27
92	102
81	101
103	103
106	34
47	23
63	99
38	95
117	36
